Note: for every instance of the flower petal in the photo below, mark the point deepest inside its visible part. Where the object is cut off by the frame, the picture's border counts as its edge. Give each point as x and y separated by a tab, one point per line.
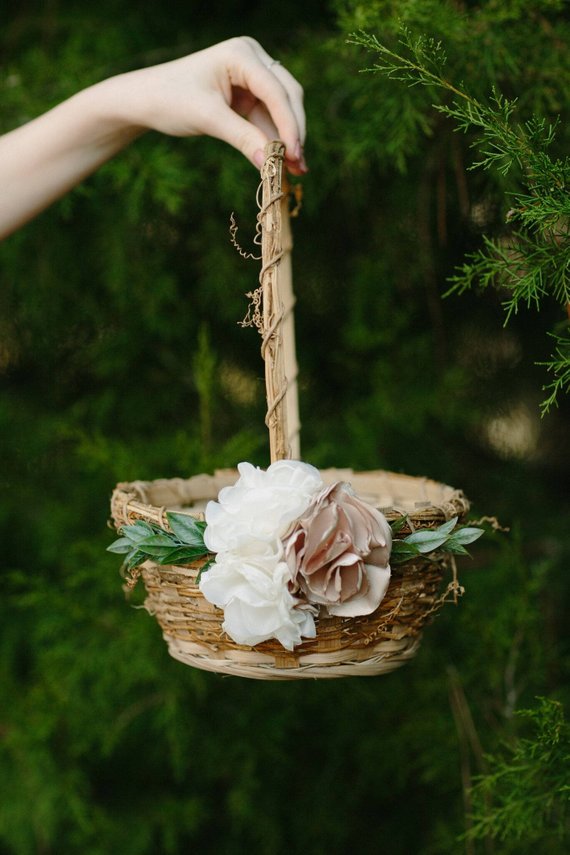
365	603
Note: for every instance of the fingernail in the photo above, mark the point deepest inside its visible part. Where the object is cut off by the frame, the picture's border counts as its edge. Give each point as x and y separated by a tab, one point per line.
302	164
258	158
298	151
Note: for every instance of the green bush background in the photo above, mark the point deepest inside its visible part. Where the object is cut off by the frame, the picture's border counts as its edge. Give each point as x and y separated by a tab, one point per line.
121	358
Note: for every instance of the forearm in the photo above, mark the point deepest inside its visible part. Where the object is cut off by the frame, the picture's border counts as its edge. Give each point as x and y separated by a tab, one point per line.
233	91
42	160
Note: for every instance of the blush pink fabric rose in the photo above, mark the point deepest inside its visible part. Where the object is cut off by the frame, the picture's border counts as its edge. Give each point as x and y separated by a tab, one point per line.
338	553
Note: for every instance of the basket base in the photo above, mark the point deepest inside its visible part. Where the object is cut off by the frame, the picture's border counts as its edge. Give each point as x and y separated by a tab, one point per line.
329	666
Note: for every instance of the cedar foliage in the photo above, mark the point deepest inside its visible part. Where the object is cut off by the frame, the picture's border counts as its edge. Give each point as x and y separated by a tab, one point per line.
120	358
532	262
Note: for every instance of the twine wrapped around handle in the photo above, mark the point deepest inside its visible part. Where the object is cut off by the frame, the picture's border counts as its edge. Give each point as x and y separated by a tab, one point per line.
278	345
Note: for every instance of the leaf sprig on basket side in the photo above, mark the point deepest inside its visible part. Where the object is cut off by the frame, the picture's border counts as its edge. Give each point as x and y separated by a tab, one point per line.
142	541
444	538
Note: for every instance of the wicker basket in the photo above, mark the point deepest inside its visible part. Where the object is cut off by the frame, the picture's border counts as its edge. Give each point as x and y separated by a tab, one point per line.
359	646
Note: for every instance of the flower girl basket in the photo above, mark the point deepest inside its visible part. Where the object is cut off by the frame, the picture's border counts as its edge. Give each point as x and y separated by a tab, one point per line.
356	646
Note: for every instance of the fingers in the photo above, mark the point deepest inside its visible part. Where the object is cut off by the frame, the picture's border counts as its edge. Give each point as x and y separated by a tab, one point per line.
262	120
281	94
296	166
295	93
212	91
292	87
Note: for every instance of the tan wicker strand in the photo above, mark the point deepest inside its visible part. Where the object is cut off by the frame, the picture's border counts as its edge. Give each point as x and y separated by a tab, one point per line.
288	327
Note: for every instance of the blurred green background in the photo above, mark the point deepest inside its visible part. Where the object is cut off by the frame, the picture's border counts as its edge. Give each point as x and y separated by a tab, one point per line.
121	358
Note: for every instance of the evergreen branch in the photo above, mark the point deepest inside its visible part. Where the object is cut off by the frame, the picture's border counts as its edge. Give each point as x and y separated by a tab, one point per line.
524	795
559	365
533	262
424	65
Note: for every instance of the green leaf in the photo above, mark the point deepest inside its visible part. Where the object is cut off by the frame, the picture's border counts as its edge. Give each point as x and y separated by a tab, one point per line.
161	538
182	555
447	527
134	559
402	551
467	535
427	540
186	528
206	567
454	546
137	531
404	547
155	550
123	544
399	524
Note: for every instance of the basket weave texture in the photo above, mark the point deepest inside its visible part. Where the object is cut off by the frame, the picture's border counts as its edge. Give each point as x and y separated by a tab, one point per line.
365	646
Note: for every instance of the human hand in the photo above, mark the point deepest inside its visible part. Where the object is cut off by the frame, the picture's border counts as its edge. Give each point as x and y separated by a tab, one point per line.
233	91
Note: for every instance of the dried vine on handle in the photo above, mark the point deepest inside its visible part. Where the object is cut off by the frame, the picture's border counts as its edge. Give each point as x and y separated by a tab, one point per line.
271	306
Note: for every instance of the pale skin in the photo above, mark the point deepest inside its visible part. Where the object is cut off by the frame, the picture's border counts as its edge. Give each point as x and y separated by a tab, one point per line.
233	91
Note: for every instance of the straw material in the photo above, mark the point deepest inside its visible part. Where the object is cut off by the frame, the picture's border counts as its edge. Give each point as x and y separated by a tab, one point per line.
364	646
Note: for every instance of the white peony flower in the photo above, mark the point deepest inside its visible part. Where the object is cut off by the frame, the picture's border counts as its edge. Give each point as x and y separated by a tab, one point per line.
252	588
260	506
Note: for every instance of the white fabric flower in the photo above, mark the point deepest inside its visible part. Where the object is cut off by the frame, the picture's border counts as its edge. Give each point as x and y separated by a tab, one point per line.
252	588
260	506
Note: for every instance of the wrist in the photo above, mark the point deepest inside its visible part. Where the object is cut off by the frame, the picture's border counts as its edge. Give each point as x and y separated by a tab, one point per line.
106	108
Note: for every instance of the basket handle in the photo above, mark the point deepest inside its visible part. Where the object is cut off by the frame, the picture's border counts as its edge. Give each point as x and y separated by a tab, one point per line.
278	331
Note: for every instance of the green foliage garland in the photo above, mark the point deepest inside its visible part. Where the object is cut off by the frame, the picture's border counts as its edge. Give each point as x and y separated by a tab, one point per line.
141	541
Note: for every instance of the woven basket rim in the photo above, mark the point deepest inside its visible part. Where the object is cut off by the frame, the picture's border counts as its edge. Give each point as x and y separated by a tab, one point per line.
151	500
